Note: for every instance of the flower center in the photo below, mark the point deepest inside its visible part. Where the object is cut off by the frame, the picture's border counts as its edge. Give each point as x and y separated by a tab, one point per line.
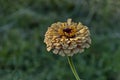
67	30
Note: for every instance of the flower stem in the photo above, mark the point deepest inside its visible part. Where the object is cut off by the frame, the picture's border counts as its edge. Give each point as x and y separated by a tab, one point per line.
73	67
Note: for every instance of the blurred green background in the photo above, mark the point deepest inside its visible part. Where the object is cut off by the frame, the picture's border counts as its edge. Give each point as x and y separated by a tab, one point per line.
23	54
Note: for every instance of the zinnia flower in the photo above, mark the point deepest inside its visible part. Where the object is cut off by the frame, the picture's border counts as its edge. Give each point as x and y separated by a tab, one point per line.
67	38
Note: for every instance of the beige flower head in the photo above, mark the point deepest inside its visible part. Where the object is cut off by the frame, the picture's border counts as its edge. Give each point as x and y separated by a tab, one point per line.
67	38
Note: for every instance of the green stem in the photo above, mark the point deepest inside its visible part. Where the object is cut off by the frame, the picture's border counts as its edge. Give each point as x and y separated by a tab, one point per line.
73	67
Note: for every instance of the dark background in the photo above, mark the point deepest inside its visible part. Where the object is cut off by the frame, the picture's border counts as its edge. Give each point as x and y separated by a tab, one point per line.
23	54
